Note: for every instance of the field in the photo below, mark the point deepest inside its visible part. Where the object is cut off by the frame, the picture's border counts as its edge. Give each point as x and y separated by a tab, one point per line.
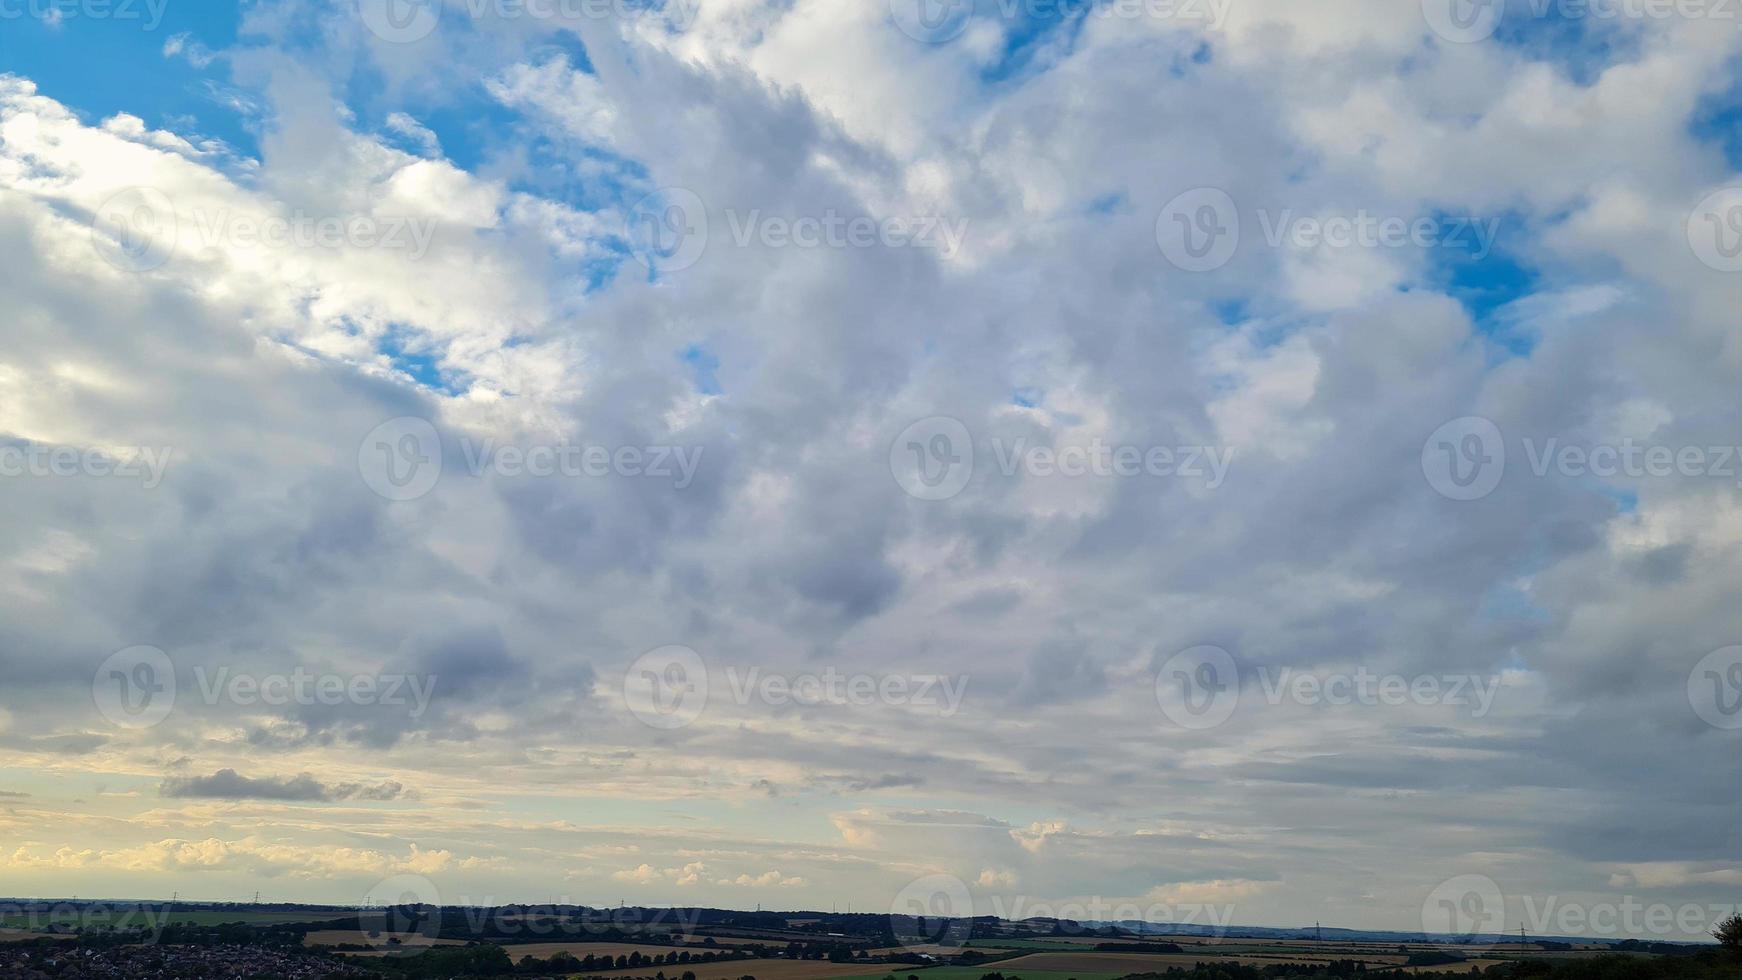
976	972
1112	964
774	970
19	935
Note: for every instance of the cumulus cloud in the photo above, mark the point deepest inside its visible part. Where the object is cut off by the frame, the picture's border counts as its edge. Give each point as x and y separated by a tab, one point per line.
519	172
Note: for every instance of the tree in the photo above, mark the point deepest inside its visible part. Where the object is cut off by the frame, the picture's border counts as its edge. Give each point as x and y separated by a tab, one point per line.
1729	934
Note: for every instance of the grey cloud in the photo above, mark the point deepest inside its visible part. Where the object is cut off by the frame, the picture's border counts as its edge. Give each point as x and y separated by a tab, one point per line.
227	784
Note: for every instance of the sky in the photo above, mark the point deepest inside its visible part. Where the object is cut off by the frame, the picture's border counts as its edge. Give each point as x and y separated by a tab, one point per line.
1230	461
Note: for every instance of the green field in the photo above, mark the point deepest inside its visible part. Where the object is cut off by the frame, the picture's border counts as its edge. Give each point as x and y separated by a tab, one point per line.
1040	945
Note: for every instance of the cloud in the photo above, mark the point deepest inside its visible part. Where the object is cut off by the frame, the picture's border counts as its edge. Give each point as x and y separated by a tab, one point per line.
528	315
227	784
249	854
